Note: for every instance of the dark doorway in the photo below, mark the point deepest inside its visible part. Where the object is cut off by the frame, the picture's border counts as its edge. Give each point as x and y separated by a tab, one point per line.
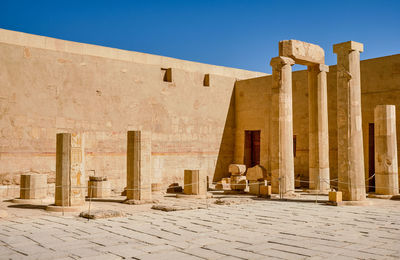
252	148
371	156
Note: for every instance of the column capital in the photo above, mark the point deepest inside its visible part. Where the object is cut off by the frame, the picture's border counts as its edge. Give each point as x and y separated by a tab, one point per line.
319	68
280	61
347	47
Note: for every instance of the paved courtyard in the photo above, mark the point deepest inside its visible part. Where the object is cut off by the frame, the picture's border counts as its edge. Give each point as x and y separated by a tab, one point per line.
262	229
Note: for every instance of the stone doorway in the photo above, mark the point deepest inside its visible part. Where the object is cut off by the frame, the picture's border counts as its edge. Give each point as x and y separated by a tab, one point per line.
371	156
252	148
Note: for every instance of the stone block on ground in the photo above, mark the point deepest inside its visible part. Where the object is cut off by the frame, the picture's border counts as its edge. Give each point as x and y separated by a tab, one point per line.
254	186
174	188
195	183
335	196
99	188
255	173
33	186
98	214
265	190
238	182
237	169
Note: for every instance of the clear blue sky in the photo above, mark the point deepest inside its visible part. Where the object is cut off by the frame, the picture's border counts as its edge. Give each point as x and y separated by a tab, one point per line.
240	34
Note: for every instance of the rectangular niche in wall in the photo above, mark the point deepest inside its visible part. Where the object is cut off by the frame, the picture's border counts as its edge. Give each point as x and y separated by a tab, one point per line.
166	74
252	148
206	81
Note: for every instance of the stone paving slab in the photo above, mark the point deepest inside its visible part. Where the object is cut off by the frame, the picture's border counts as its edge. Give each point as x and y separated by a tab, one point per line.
263	229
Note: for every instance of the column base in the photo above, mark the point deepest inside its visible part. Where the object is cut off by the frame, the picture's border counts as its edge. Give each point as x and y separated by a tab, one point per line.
199	196
31	201
317	192
350	203
139	202
55	208
381	196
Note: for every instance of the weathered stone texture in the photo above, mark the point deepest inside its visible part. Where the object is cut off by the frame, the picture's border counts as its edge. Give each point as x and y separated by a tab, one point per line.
99	189
70	170
138	166
349	122
281	128
386	161
302	52
195	183
104	92
33	186
318	128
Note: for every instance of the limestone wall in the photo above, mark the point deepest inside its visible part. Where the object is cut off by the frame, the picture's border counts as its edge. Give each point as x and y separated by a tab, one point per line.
380	84
49	86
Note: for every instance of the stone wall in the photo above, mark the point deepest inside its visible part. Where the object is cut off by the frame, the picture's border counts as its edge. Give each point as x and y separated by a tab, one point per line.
49	86
380	84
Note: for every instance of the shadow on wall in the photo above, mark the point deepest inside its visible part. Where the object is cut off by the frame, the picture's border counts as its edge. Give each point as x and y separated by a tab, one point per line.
226	148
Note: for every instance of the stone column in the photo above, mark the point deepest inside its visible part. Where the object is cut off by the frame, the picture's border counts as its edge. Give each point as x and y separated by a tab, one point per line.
138	166
386	166
33	186
194	183
318	127
281	131
70	170
350	139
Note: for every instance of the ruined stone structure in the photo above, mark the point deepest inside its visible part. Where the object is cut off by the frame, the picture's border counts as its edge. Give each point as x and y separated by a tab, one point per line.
138	166
33	186
386	164
70	171
317	124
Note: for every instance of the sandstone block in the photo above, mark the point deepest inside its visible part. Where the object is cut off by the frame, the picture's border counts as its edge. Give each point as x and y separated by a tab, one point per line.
70	170
33	186
194	183
255	173
335	196
138	166
99	189
238	182
237	169
302	52
174	188
254	187
386	165
265	190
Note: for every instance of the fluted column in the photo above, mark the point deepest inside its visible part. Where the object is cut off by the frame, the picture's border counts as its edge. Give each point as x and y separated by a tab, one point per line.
281	132
350	139
318	127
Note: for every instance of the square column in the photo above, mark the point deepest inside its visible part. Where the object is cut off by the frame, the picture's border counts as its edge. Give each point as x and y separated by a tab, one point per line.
33	186
194	183
70	170
281	131
318	128
138	166
351	173
386	165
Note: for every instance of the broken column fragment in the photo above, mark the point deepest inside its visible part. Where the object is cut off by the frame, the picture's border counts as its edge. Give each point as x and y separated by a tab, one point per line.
194	183
386	165
70	172
138	166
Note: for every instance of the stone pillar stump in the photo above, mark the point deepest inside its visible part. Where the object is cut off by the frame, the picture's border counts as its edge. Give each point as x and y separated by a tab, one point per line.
33	186
139	166
386	165
70	172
